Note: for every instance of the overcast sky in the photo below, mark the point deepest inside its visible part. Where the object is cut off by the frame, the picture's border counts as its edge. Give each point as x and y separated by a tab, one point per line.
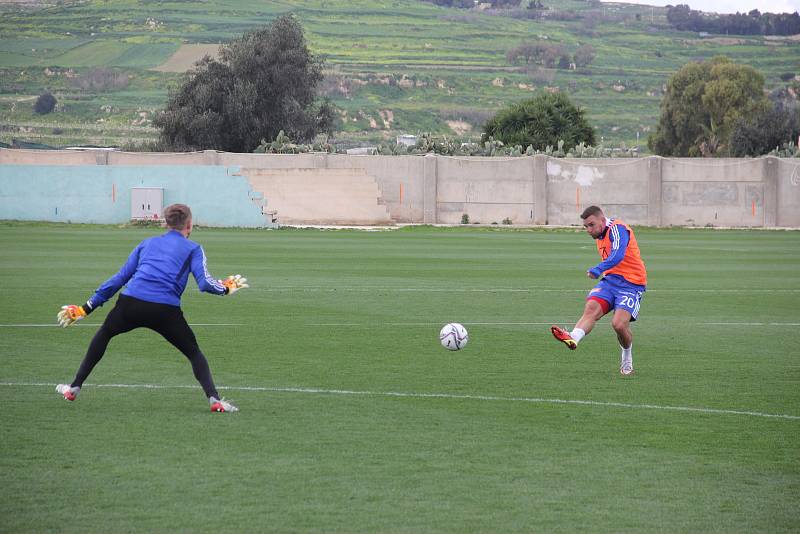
729	6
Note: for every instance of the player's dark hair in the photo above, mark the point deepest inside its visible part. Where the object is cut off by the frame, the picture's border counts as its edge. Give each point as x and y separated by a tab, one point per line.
591	210
177	216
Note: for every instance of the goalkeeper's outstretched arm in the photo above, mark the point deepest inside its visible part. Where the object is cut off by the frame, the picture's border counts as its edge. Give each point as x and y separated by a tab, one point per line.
208	283
72	313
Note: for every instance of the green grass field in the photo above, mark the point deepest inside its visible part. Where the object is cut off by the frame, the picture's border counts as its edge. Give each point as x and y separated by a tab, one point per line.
354	419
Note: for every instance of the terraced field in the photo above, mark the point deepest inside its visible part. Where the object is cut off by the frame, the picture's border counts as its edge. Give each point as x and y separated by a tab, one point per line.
393	67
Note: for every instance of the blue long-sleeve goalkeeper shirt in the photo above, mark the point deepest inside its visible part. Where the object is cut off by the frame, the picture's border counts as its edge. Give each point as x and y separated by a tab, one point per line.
157	271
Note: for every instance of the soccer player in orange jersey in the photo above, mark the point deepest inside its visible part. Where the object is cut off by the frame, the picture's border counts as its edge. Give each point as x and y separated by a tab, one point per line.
623	281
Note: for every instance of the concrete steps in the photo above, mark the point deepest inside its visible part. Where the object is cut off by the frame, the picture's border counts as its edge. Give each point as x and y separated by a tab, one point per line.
270	215
319	196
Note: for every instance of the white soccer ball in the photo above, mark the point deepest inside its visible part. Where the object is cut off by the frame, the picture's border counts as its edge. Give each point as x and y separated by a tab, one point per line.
453	336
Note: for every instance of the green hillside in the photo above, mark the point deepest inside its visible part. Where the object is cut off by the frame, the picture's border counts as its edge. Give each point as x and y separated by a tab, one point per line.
399	66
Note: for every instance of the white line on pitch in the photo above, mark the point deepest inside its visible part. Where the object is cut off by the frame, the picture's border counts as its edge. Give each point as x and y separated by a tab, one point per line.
432	323
95	324
312	289
752	324
500	323
411	289
451	396
478	323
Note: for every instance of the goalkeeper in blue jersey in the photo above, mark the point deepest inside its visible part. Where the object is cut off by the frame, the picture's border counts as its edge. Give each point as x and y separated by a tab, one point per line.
154	277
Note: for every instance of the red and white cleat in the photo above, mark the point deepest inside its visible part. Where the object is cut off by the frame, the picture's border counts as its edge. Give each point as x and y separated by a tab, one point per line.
626	371
564	337
221	405
68	392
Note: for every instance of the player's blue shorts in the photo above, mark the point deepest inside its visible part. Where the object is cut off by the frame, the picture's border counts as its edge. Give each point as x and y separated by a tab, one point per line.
614	292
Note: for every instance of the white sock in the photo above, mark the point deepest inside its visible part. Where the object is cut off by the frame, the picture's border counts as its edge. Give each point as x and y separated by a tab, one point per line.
626	360
577	334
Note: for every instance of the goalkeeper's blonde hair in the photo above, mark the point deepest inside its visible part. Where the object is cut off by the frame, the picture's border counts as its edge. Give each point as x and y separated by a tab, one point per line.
177	216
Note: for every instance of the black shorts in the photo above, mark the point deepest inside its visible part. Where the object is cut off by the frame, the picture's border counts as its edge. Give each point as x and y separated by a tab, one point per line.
130	313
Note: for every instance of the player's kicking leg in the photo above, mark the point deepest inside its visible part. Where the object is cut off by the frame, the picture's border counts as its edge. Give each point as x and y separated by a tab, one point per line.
595	308
564	337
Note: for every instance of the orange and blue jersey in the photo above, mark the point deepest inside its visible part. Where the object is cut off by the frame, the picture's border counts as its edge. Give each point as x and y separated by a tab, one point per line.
621	257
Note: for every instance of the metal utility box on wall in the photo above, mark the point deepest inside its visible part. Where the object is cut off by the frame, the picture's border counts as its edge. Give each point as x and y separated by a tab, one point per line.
147	203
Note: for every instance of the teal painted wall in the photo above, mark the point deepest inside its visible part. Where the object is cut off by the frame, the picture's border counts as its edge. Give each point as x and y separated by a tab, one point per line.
102	194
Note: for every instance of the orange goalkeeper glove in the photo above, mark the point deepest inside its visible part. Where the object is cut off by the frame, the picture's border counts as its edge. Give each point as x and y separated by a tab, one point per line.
70	314
234	283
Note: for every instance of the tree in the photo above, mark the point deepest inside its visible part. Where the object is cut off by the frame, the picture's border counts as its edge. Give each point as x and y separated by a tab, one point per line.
584	55
101	79
766	131
530	52
551	54
682	17
264	82
701	105
45	104
541	121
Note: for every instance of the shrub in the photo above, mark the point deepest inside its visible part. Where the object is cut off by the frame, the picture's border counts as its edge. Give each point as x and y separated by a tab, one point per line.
540	122
101	79
46	103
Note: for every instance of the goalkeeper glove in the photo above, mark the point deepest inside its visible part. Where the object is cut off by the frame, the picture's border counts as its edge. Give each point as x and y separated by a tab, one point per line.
70	314
234	283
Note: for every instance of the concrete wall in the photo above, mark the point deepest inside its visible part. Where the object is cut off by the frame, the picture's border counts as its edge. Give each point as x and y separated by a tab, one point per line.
487	189
320	196
723	192
102	194
400	182
235	189
786	172
620	186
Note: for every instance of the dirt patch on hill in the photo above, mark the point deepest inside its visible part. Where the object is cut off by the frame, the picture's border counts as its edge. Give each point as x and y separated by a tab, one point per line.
387	116
459	127
724	41
186	56
794	38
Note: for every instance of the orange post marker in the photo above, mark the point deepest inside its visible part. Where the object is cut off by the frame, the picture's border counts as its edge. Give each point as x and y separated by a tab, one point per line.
577	199
754	208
